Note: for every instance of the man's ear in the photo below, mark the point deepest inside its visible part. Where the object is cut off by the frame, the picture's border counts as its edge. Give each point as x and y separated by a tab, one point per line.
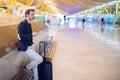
27	15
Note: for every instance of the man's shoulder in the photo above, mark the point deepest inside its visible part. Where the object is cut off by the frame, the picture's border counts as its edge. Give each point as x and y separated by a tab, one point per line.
24	22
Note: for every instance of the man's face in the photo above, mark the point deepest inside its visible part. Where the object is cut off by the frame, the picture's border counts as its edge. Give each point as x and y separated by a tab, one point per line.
30	16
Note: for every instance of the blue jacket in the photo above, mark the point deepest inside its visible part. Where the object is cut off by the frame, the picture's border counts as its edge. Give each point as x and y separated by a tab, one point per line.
24	35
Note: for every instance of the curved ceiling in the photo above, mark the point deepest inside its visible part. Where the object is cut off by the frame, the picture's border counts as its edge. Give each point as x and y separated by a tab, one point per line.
65	7
73	6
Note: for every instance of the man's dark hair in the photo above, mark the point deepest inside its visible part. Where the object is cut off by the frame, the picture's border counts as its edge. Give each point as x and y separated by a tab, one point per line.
28	11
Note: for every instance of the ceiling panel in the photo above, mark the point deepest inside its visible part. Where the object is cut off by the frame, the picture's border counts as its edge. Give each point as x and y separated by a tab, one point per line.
73	6
70	6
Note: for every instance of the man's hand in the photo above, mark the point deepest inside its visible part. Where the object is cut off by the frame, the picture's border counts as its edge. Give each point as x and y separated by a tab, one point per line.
35	33
8	49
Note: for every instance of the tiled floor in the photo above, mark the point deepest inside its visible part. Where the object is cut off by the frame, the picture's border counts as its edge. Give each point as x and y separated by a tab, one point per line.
80	56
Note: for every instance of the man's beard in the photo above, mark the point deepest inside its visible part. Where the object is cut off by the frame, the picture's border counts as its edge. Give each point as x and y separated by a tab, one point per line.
31	19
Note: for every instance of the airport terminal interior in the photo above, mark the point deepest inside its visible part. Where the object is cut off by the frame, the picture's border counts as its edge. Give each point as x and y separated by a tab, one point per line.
82	38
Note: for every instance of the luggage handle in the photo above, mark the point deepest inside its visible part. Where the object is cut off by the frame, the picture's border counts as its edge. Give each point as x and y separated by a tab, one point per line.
43	50
47	43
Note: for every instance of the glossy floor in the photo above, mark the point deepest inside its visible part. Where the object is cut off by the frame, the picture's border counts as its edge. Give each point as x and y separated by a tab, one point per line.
81	56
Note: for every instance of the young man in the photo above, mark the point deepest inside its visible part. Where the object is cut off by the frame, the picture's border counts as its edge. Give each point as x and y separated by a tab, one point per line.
25	41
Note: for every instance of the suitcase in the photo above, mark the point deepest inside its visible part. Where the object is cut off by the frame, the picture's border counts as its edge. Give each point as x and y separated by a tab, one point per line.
45	68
